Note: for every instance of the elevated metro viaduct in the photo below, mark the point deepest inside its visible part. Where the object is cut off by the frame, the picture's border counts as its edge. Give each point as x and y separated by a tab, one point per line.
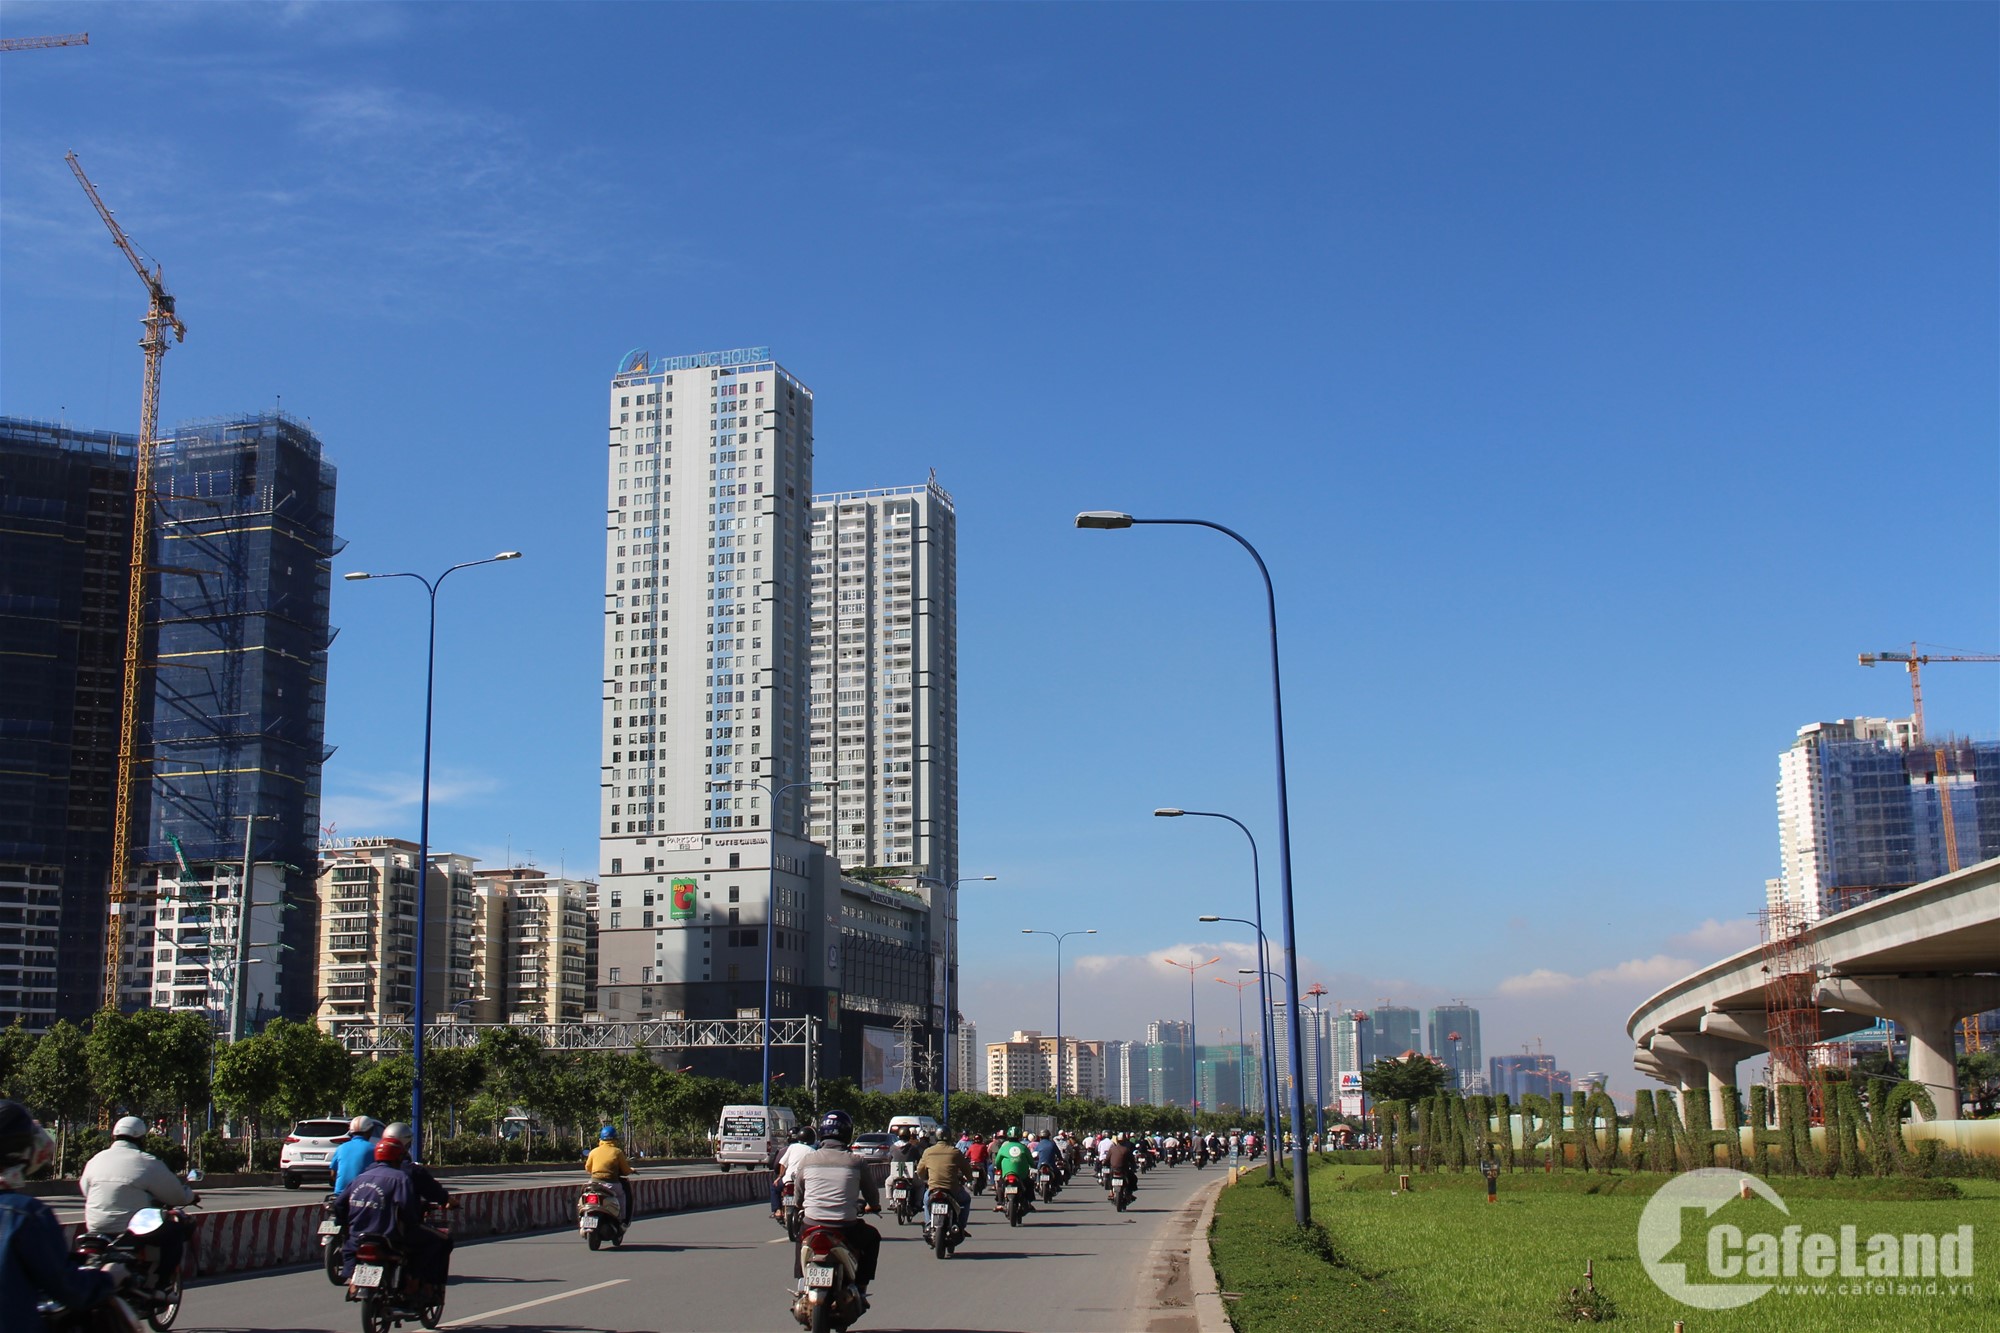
1924	957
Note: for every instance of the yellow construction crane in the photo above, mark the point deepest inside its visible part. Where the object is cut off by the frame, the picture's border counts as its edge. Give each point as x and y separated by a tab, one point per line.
38	43
160	317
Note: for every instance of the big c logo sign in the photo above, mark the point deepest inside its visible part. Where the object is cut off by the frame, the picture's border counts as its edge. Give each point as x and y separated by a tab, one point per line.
681	904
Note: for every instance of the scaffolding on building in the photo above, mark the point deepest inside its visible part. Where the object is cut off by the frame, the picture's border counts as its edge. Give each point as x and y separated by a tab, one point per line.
1791	969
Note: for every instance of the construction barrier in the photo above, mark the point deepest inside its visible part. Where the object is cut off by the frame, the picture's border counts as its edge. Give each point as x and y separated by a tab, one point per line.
244	1239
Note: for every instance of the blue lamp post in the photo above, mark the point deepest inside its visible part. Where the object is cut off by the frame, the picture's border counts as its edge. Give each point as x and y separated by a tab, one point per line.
1105	519
1270	1076
1059	938
431	586
950	932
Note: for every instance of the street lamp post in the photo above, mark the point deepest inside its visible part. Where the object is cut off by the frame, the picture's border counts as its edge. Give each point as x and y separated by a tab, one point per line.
1059	938
1301	1193
951	932
770	903
1194	1049
423	868
1320	1043
1270	1072
1271	1112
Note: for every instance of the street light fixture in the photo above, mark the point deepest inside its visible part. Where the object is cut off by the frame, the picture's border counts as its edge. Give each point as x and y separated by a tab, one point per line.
1270	1073
1059	938
1112	519
423	868
1194	1047
951	933
770	902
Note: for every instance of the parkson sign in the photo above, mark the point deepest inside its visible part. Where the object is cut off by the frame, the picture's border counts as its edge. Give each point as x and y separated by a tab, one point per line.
1777	1137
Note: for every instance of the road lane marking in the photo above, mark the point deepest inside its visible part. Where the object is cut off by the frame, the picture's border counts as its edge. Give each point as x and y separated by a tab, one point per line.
529	1305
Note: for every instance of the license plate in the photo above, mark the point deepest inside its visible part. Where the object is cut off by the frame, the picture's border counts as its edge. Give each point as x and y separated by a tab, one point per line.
312	1157
819	1275
329	1228
941	1211
589	1223
367	1275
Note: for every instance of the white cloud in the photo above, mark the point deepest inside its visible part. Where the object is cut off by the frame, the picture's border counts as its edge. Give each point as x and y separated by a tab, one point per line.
387	804
1717	939
1657	970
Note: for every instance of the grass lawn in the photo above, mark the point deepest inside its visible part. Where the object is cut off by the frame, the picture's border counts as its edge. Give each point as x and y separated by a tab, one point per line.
1440	1258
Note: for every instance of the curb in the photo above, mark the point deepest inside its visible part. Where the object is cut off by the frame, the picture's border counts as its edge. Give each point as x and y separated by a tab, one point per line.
1211	1315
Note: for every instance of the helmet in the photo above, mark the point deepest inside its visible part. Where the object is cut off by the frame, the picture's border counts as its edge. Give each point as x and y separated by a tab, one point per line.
25	1147
837	1125
803	1134
363	1127
607	1134
1013	1133
389	1150
129	1127
399	1132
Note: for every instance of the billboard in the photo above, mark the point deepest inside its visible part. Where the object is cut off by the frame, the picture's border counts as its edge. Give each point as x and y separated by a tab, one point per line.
1350	1083
881	1060
681	904
1350	1106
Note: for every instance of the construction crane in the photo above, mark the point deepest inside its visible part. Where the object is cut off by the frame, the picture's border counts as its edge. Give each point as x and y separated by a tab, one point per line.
1913	661
39	43
160	317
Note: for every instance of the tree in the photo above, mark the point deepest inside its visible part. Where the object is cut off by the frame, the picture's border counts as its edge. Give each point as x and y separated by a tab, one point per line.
1410	1080
382	1089
56	1078
247	1079
451	1078
150	1062
16	1045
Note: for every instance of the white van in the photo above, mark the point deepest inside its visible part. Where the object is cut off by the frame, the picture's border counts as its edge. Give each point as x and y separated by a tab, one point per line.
923	1124
753	1136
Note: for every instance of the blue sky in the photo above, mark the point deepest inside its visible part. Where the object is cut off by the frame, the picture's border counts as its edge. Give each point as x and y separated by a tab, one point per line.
1597	381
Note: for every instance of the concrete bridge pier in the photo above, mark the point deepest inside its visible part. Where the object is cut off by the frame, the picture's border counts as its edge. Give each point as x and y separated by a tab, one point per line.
1927	1008
1715	1057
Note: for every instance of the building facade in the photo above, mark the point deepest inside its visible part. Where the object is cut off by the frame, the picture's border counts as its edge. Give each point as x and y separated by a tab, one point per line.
1170	1063
1451	1036
367	946
968	1070
1518	1075
236	734
707	615
1125	1072
1866	808
65	555
1394	1029
538	975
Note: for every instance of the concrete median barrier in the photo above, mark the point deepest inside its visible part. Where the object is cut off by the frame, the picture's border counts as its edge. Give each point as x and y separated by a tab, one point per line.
245	1239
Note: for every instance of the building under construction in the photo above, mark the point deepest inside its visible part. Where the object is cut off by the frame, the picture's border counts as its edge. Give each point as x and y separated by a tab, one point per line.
234	734
65	545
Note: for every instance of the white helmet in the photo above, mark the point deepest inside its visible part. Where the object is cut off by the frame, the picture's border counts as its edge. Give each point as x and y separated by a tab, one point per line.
361	1126
129	1127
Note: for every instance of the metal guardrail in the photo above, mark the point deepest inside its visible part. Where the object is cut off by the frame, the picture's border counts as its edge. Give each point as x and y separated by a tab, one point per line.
652	1034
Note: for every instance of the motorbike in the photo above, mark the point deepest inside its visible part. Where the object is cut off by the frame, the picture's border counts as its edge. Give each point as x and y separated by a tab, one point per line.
903	1197
1045	1183
147	1297
788	1216
1014	1198
979	1178
1104	1177
332	1236
826	1299
389	1294
1200	1158
112	1316
941	1231
1120	1192
600	1215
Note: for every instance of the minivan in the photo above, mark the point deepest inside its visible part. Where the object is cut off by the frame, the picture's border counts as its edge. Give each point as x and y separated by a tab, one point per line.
753	1136
923	1124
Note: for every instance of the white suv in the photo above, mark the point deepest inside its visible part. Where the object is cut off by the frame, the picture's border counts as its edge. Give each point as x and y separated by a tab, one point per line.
308	1151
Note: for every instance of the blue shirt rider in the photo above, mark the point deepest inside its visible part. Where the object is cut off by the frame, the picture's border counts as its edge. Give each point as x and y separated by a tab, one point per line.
35	1264
356	1155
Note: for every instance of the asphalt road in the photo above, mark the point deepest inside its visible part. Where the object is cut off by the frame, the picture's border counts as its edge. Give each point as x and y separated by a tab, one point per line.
70	1209
1075	1266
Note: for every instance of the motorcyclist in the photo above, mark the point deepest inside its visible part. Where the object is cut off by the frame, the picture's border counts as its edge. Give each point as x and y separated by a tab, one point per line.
1122	1163
607	1165
834	1187
388	1200
356	1155
943	1167
125	1178
34	1258
977	1153
1013	1157
788	1161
